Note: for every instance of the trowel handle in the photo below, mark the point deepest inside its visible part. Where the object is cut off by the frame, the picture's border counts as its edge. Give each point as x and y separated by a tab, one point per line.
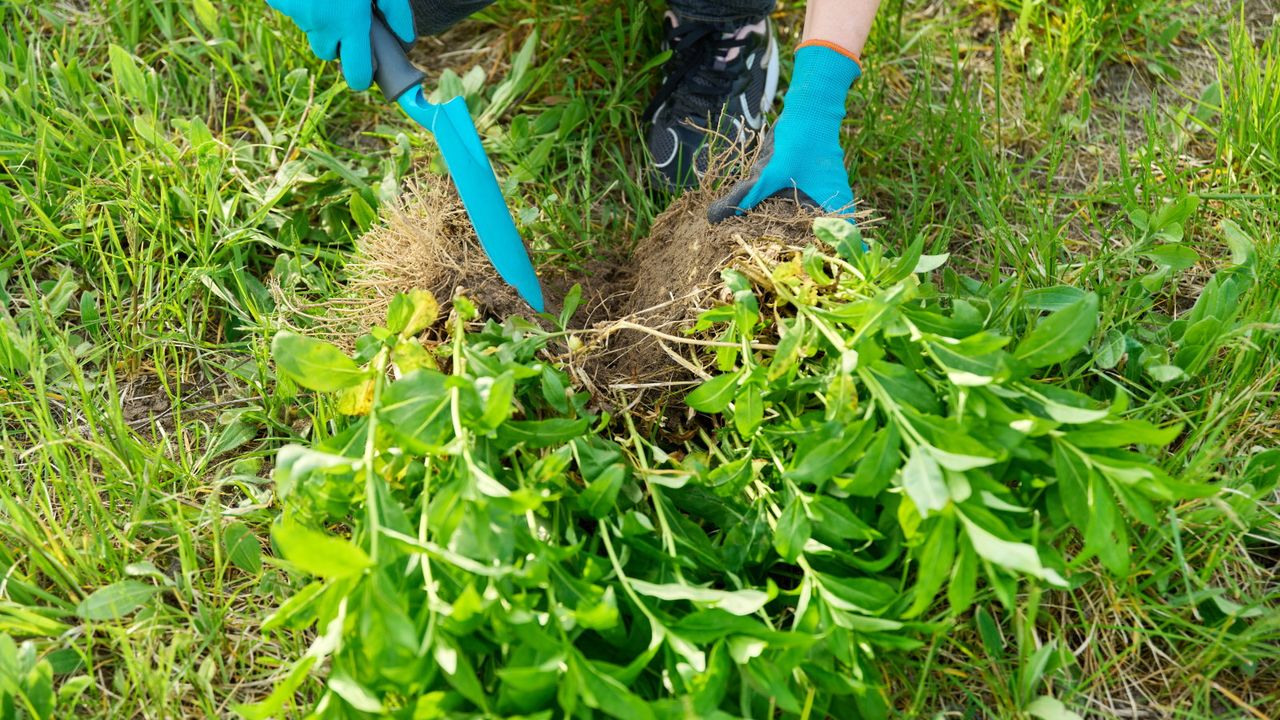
392	70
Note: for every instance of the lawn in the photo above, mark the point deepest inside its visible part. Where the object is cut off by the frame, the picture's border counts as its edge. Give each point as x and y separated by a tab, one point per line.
1018	458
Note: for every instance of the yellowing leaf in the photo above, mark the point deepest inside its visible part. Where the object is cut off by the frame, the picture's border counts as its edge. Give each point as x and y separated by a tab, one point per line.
357	399
411	313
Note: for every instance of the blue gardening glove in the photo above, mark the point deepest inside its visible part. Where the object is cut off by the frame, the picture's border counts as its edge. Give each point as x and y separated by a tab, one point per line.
340	28
336	28
801	157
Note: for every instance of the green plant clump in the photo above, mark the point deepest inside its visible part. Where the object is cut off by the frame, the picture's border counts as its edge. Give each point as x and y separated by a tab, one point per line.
873	453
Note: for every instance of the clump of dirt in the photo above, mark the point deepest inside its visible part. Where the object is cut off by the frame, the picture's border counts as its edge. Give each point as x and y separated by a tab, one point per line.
426	243
671	277
636	309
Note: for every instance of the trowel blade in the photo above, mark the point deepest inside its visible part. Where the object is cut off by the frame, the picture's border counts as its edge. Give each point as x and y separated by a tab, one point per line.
472	173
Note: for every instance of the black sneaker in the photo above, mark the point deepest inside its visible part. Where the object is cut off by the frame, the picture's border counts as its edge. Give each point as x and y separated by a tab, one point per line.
721	77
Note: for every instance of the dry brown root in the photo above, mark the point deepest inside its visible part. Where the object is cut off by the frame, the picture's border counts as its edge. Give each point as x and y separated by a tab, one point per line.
426	243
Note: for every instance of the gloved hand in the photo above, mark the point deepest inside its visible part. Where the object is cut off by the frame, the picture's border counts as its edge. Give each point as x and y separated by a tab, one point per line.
337	28
801	157
340	28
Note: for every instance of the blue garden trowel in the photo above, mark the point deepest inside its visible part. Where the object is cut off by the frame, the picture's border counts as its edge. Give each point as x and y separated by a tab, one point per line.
464	156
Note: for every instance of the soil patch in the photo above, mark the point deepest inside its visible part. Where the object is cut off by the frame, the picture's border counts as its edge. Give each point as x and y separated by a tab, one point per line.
671	277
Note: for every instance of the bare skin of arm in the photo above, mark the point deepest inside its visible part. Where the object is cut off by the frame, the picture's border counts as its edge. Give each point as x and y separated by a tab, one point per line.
845	23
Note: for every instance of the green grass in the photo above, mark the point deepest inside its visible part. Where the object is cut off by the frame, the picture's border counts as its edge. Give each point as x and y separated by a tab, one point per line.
161	162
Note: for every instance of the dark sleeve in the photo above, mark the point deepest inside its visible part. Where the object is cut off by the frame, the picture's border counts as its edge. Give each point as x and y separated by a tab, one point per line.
432	17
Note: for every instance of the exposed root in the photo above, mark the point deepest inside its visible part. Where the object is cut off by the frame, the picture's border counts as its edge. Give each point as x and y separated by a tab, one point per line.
637	315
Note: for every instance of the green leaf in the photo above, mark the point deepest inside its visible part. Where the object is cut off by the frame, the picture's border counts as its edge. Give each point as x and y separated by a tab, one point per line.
737	602
905	264
794	338
792	531
296	464
933	564
1123	433
1073	483
929	263
362	212
282	693
1166	373
876	468
1110	351
860	594
410	356
923	481
965	369
706	626
831	457
314	364
90	317
1220	297
297	611
1047	708
748	409
1106	535
128	76
498	395
1263	469
959	462
572	300
905	386
355	694
1243	252
242	547
459	671
1168	221
598	614
1060	336
207	15
1174	257
417	410
746	308
1053	298
1065	406
39	690
535	434
964	579
1015	556
317	553
833	521
600	497
605	693
841	235
115	601
714	395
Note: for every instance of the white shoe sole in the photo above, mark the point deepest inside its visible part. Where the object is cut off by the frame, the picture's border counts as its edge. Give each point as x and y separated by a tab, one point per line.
771	75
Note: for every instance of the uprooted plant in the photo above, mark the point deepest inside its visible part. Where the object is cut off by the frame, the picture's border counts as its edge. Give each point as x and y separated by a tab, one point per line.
482	544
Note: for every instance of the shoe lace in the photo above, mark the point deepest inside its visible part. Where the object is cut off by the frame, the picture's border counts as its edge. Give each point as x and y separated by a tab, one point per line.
697	70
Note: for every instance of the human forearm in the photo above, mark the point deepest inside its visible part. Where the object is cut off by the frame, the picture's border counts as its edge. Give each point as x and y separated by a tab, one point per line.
843	23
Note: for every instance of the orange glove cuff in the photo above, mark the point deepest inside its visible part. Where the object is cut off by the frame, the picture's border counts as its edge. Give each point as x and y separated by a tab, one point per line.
832	46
